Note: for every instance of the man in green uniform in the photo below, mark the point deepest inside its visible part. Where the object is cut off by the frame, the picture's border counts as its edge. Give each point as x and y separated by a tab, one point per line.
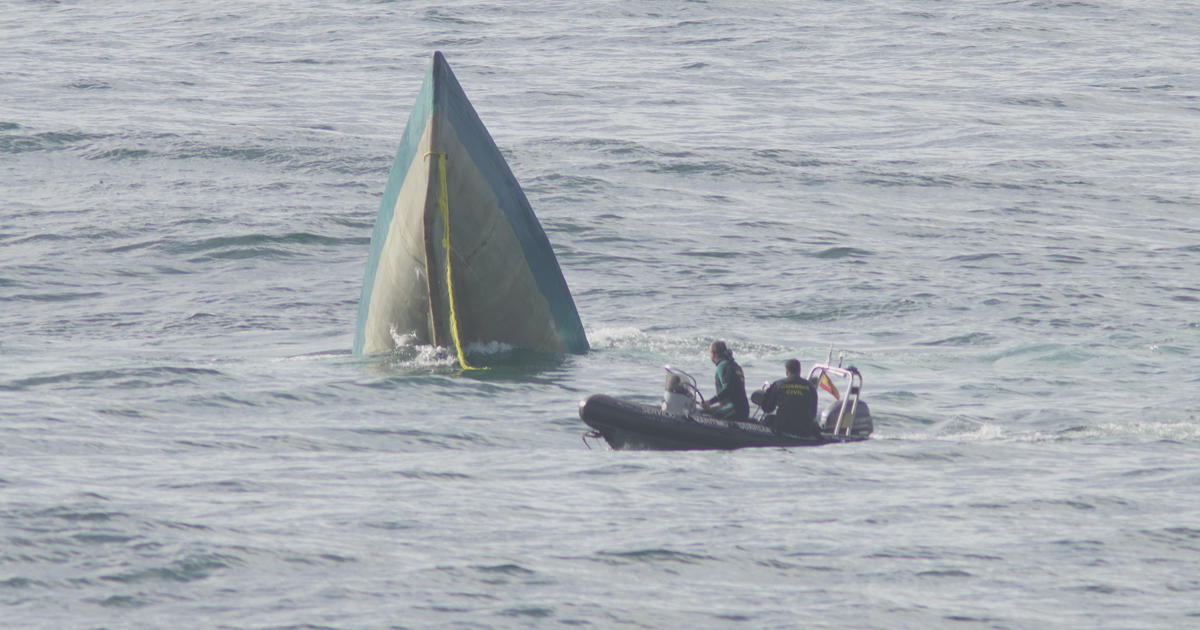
730	401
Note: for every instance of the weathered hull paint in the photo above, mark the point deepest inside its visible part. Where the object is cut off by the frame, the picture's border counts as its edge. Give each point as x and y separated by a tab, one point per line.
504	282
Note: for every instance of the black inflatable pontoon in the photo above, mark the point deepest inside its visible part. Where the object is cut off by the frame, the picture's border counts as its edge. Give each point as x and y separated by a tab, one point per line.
629	425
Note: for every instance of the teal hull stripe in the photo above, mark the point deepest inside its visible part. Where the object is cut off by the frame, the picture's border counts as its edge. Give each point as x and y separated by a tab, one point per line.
417	121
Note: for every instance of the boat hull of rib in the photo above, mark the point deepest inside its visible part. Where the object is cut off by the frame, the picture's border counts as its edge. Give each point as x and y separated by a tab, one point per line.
628	425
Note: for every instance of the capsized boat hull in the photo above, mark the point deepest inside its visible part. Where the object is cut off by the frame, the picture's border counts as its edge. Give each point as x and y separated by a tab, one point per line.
631	426
457	255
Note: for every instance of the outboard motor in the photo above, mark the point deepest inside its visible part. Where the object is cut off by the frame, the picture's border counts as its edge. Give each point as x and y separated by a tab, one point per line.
862	425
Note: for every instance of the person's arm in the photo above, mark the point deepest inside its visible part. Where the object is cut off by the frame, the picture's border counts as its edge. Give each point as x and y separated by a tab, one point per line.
812	407
724	384
769	399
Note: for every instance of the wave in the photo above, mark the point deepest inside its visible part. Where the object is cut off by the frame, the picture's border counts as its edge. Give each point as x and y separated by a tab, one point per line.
44	141
255	245
313	152
652	555
148	377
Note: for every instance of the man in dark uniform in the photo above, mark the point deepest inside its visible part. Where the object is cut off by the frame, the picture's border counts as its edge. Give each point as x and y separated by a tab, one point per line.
794	401
730	402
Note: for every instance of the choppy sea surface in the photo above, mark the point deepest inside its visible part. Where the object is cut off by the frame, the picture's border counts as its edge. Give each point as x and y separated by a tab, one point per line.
991	207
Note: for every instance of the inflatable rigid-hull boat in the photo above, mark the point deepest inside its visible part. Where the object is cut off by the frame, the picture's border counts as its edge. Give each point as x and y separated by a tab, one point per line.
628	425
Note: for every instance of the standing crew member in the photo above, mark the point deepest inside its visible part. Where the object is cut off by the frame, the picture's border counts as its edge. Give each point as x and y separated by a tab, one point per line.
794	401
731	386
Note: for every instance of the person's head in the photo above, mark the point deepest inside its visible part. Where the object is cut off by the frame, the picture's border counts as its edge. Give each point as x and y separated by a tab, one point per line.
719	351
792	367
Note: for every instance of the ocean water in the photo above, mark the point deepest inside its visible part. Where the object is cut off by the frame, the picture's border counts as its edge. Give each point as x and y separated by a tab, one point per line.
991	208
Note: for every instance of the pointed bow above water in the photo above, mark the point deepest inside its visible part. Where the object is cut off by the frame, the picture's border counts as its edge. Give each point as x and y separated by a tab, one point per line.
457	255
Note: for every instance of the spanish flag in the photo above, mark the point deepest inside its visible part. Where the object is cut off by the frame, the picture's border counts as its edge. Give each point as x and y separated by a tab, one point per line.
827	385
